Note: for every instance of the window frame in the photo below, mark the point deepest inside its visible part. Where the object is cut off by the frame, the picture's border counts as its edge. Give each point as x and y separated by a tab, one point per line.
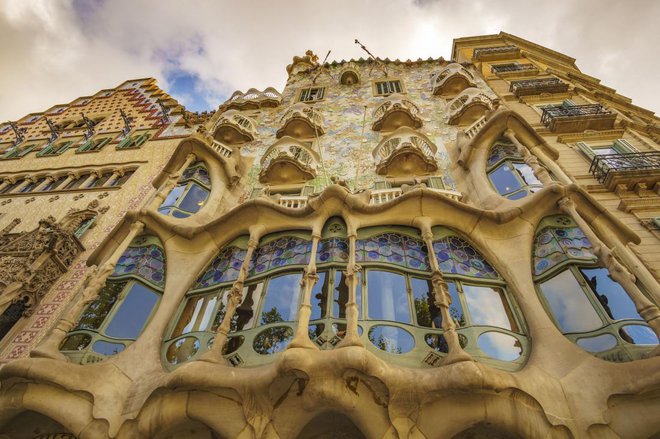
306	92
388	81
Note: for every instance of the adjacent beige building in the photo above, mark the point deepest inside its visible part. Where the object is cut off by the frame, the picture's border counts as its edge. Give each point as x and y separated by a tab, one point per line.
462	248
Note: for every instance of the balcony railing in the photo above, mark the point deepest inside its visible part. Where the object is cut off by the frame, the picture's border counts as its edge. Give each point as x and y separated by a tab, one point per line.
538	86
395	112
404	152
640	166
577	118
288	161
301	121
221	149
451	80
293	201
473	129
380	196
233	128
469	106
513	67
499	52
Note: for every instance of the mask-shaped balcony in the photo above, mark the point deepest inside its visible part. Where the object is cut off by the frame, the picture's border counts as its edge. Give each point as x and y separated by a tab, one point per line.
469	106
288	161
233	128
395	112
253	99
301	121
405	152
451	80
349	74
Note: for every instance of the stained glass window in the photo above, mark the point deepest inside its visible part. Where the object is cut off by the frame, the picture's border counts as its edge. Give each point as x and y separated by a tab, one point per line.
554	245
223	268
332	250
457	256
393	248
144	261
280	252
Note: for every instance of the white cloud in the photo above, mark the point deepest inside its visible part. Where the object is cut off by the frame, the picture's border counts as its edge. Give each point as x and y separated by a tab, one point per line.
55	51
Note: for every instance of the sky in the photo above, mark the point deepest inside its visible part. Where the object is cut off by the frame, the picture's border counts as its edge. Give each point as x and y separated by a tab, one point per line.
54	51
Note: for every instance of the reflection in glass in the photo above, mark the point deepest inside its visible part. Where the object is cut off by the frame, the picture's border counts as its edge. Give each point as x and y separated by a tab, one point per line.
439	343
527	174
76	342
194	199
98	310
387	297
428	315
133	313
172	198
504	180
281	301
599	343
319	296
315	331
182	350
638	334
488	307
244	315
107	348
610	294
341	292
500	346
391	339
198	313
273	340
232	345
570	306
455	308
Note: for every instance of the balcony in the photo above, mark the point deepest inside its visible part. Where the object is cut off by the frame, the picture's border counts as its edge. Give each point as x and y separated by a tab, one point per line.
293	201
288	161
577	118
469	106
629	169
473	129
301	121
395	112
451	80
515	69
380	196
537	86
495	53
253	99
221	149
405	152
233	128
349	74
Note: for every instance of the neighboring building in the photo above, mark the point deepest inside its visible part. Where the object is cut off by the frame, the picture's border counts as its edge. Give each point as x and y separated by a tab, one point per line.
386	249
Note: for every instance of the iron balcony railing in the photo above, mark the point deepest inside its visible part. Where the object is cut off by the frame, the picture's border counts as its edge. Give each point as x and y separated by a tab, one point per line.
480	52
535	86
513	67
603	165
553	112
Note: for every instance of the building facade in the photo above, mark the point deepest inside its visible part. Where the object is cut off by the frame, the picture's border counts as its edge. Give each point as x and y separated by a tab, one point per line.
462	248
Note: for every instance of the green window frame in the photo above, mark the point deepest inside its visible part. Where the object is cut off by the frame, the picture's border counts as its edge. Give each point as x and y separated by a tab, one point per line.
55	149
388	87
134	141
619	146
311	94
18	152
93	145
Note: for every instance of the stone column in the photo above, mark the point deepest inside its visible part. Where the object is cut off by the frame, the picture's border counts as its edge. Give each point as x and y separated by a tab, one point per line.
234	299
49	347
352	278
539	171
6	182
69	178
443	300
114	177
169	184
93	176
301	338
19	188
48	180
647	309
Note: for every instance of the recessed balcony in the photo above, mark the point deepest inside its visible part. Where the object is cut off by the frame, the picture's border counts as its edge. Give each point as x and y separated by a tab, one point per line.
495	53
397	111
469	106
537	86
288	161
253	99
577	118
301	121
628	169
233	128
405	152
349	74
451	80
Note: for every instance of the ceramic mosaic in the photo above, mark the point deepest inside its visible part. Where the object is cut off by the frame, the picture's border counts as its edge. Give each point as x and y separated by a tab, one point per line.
146	262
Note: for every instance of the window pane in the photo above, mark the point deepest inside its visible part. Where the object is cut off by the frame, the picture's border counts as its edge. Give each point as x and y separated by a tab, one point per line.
487	307
133	313
96	312
281	301
341	292
427	313
526	173
569	304
244	316
194	199
504	180
610	294
319	297
455	309
604	151
387	296
173	196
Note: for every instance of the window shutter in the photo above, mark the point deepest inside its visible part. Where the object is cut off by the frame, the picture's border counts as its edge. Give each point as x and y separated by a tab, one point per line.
140	141
85	146
46	151
124	143
586	150
63	147
307	191
102	143
436	183
624	147
25	151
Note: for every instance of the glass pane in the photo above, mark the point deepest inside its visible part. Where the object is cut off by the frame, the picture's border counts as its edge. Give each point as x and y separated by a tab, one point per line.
527	174
182	350
427	313
194	199
281	301
315	331
638	334
319	297
504	179
173	196
488	307
517	195
499	346
610	294
340	296
455	309
599	343
107	348
604	151
179	214
96	312
133	313
273	340
244	316
76	342
188	316
232	345
387	296
391	339
570	306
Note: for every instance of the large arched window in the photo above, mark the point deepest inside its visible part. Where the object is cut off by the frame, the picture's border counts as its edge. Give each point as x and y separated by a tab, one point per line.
123	306
508	173
264	322
586	304
190	193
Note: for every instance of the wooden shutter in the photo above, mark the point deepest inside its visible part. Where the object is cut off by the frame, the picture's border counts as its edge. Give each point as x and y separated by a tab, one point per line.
436	183
624	147
307	191
586	150
140	140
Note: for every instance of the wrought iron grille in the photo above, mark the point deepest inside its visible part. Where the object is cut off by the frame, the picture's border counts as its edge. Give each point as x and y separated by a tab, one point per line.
603	165
492	50
513	67
552	112
545	84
